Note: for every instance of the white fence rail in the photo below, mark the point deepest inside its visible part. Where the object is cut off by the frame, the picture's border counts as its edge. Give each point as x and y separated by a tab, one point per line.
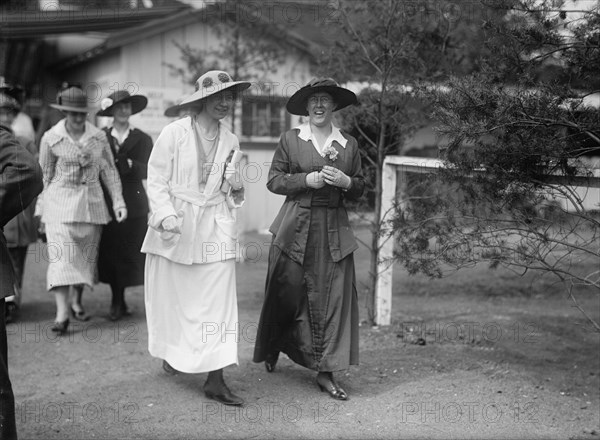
395	168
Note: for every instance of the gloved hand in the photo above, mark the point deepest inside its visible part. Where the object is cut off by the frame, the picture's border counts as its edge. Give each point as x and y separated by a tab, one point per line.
315	180
335	177
121	214
170	224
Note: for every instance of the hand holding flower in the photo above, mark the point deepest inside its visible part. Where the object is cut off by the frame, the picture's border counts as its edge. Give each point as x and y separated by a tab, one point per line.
85	155
85	158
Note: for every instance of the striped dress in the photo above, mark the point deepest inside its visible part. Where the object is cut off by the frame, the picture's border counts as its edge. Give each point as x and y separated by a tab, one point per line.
72	205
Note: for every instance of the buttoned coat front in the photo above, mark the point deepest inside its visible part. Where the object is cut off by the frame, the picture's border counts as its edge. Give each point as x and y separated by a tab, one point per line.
136	147
310	311
72	189
294	158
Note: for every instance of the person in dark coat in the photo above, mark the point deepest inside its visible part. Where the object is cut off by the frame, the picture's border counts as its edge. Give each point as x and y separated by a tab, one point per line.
120	262
21	231
310	310
20	183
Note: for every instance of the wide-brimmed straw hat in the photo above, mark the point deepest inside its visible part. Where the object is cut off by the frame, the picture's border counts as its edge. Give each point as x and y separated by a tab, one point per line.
72	99
107	105
213	81
175	110
7	101
296	105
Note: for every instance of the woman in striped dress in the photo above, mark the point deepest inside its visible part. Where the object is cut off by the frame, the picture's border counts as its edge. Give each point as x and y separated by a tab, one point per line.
75	157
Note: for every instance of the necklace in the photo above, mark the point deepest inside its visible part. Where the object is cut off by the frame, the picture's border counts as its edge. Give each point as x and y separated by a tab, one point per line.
205	137
210	143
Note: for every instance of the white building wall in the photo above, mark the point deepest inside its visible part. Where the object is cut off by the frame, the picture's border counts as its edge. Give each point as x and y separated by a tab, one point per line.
140	67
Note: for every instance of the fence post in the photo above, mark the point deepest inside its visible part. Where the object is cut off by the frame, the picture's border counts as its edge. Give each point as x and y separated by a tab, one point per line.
385	242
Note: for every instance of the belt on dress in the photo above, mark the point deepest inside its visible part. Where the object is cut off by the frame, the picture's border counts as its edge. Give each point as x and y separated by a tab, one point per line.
197	198
330	199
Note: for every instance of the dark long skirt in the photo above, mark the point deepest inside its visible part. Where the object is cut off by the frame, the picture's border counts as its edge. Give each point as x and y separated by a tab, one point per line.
310	312
120	262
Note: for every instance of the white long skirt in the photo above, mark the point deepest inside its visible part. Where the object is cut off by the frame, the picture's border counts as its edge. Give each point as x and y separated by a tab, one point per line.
191	313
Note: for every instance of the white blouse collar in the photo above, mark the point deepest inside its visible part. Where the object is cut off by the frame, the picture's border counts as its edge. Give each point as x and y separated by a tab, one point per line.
336	135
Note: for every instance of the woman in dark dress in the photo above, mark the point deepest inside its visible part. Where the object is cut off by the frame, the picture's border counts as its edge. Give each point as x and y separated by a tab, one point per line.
120	262
310	311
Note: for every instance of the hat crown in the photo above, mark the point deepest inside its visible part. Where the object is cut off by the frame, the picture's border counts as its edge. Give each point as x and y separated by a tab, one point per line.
322	82
72	97
119	95
211	79
297	104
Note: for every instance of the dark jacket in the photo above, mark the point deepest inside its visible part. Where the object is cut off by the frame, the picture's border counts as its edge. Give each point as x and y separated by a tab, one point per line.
22	230
294	158
20	183
136	147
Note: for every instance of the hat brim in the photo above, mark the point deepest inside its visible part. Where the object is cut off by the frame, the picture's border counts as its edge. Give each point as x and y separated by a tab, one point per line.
296	105
200	95
68	108
138	103
175	110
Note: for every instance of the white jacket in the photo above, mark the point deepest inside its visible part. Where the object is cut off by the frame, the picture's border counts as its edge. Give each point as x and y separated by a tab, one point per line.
207	222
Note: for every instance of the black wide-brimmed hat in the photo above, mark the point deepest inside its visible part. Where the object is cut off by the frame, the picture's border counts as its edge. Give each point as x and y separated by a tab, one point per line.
72	99
296	105
213	81
107	105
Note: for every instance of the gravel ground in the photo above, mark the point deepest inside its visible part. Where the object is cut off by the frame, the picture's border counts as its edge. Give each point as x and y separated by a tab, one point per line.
450	366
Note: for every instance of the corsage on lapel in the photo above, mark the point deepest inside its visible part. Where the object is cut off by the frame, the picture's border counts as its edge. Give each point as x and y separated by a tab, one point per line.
330	153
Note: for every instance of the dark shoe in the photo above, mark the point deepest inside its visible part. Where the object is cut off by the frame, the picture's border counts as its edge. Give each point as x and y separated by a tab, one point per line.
169	369
270	361
117	314
80	315
332	388
60	327
222	394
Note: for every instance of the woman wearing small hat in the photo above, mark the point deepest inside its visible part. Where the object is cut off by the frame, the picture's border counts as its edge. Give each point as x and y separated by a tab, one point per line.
120	262
21	231
190	246
310	311
75	157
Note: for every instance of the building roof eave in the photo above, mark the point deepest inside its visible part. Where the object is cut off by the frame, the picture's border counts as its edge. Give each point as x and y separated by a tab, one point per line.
155	27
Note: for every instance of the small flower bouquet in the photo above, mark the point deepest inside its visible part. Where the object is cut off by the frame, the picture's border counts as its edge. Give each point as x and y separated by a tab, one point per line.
85	154
330	153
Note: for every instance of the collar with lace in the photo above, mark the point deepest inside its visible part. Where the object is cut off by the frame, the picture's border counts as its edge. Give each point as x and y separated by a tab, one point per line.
306	135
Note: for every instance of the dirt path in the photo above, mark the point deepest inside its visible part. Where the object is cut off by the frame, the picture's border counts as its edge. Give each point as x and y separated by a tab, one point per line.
520	365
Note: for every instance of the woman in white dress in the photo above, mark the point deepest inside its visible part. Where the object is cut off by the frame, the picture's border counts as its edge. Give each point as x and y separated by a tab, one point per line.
194	189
